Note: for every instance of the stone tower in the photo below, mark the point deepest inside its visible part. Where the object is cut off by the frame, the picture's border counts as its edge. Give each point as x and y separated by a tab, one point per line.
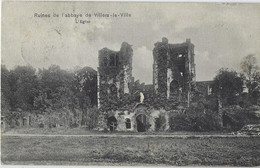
173	70
114	73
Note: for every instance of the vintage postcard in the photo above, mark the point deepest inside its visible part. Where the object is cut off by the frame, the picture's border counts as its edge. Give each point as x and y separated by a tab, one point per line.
130	83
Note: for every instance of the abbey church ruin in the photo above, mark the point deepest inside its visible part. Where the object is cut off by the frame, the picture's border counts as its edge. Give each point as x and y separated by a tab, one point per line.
127	107
110	98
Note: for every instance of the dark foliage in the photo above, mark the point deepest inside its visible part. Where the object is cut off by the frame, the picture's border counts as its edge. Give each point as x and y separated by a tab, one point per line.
66	98
235	117
227	85
195	118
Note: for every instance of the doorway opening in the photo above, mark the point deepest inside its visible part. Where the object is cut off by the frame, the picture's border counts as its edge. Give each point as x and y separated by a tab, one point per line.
112	123
141	121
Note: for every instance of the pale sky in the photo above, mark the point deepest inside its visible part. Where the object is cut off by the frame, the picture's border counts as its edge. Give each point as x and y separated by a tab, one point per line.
222	33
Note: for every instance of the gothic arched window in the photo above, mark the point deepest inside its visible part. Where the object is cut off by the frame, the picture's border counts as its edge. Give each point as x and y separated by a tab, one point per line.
174	87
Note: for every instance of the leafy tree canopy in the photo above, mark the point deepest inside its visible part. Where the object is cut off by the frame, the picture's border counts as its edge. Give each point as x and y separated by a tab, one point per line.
228	84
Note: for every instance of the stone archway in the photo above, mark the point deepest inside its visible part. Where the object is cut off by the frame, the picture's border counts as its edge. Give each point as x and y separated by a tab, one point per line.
112	123
141	123
142	117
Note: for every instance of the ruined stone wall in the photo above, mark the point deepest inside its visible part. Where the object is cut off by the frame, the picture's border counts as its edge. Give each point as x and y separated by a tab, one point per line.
160	54
114	73
173	70
127	120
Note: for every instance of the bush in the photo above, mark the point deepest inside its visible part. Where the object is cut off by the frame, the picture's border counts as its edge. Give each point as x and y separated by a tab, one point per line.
235	117
196	118
160	123
180	122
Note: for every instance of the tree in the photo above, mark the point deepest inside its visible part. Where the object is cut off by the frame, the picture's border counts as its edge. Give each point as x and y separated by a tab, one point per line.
85	89
249	67
24	87
252	72
56	98
227	85
85	84
5	90
18	91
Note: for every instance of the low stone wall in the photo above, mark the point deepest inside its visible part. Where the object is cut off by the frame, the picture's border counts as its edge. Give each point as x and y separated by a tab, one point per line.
141	119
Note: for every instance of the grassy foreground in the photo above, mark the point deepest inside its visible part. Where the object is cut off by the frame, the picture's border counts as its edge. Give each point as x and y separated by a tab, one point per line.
131	151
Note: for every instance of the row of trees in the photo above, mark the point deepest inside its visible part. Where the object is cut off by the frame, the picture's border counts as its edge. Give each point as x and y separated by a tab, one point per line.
51	91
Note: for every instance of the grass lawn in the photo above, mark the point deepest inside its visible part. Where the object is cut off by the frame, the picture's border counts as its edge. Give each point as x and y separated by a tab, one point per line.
60	150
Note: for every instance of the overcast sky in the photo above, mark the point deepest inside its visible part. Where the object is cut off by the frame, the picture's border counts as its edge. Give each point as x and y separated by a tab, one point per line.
222	33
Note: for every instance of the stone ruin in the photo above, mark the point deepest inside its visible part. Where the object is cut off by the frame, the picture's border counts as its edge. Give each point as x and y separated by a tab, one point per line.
173	75
114	73
174	70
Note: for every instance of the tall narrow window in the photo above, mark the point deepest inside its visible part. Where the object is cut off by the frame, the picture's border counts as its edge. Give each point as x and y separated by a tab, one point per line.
111	60
128	123
117	60
30	120
105	61
24	121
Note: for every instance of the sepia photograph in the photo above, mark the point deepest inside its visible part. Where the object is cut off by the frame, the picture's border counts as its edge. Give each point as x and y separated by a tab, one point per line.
130	83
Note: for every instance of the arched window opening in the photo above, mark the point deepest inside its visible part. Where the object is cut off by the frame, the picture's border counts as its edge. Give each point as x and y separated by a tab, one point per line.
128	123
174	87
113	90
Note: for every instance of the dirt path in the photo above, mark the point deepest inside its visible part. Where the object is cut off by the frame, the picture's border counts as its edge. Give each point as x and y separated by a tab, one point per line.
125	136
